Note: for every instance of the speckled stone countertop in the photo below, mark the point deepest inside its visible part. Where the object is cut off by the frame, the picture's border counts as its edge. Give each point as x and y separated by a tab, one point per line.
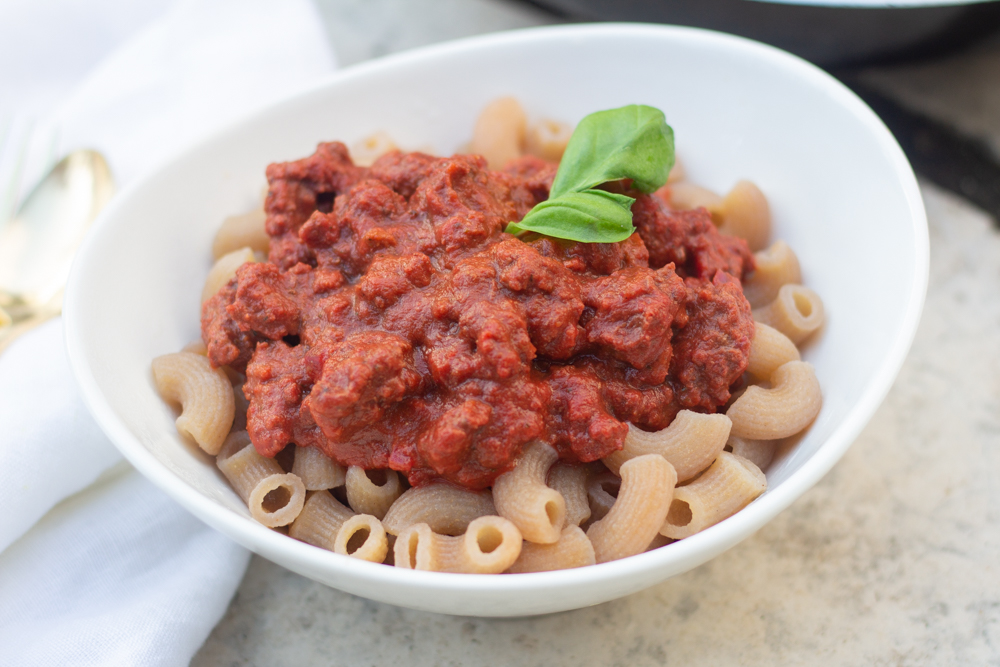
892	559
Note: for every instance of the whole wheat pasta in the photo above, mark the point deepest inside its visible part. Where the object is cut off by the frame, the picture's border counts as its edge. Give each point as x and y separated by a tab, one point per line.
690	443
685	195
639	512
196	347
677	173
776	266
325	523
570	480
365	152
224	270
572	549
791	403
521	496
499	132
367	497
204	393
602	490
446	508
234	442
490	545
320	520
659	541
241	231
769	350
547	139
317	470
274	497
728	486
745	214
797	312
363	537
758	452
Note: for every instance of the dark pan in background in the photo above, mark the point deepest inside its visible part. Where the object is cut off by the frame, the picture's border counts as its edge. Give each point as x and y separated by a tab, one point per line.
830	36
842	39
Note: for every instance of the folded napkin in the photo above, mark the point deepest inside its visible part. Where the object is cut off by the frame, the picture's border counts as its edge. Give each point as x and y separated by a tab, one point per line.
97	566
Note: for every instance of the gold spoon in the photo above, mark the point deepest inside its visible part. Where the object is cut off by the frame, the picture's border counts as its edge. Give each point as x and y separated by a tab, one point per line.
38	243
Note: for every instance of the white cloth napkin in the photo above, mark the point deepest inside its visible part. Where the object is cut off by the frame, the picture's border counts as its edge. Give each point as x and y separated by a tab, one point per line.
117	573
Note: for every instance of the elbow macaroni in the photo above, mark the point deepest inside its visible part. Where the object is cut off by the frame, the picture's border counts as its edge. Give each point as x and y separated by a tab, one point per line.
690	443
204	393
545	514
639	511
521	495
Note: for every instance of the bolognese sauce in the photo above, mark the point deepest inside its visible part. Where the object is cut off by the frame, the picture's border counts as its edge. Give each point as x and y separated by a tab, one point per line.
397	326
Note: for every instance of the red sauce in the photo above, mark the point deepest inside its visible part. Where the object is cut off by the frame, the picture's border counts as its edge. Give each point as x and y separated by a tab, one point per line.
396	324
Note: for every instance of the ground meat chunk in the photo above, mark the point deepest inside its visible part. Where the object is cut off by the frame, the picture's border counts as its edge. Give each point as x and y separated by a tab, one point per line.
689	240
262	302
712	351
296	189
536	174
362	376
227	344
598	258
633	311
583	425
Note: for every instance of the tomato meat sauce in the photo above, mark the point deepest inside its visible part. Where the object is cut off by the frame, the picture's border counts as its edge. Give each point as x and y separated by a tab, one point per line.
397	326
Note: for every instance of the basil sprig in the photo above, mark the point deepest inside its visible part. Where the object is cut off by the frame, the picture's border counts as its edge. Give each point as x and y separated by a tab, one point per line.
632	142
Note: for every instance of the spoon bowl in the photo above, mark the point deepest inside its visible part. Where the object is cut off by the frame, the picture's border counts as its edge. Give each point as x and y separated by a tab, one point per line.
37	245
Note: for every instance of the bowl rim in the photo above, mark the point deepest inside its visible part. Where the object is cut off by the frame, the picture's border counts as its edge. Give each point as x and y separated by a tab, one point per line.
711	541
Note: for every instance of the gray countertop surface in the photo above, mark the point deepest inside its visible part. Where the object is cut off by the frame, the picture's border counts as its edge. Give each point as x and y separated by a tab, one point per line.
892	559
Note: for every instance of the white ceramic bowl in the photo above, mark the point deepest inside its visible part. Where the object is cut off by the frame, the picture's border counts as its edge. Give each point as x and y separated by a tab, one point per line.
842	193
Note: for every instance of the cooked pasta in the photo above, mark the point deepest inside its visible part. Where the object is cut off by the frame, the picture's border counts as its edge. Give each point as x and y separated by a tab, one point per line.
639	511
547	139
769	350
728	486
788	406
745	214
797	312
362	536
690	443
602	489
570	480
572	549
369	497
241	231
758	452
545	513
204	393
521	496
196	347
776	266
687	195
224	270
499	132
5	319
371	148
490	545
677	174
274	497
325	523
317	470
447	509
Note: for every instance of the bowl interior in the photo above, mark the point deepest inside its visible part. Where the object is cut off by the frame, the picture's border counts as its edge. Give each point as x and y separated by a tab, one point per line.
841	192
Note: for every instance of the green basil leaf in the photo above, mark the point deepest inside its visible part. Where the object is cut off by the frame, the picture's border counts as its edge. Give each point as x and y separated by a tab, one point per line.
631	142
591	216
